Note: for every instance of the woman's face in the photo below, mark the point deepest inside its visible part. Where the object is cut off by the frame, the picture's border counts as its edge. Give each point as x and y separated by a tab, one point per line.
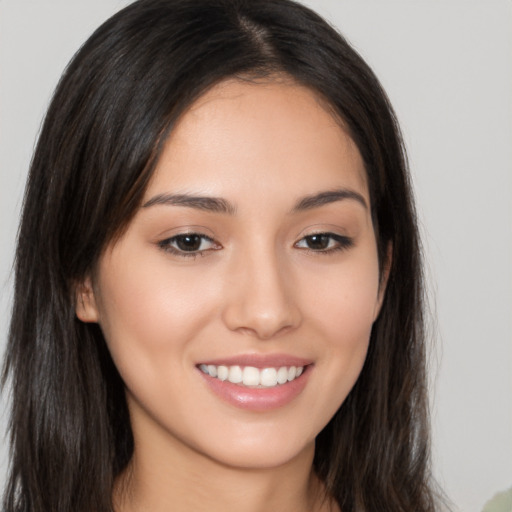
252	257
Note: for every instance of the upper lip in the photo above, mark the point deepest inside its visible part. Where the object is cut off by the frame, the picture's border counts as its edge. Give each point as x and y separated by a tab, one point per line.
259	360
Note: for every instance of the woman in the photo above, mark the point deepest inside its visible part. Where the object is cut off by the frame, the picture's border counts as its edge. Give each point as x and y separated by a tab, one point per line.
218	284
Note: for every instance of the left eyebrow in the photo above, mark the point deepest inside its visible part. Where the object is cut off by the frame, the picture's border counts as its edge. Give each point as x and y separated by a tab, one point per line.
209	204
331	196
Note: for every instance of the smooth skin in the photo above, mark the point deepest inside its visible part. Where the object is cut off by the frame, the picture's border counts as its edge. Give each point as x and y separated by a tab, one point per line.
260	270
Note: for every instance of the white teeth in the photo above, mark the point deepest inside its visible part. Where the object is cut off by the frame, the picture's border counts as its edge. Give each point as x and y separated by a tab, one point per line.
253	377
268	377
222	372
235	374
282	375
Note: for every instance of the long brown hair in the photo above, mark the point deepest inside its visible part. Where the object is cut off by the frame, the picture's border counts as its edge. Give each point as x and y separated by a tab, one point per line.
111	113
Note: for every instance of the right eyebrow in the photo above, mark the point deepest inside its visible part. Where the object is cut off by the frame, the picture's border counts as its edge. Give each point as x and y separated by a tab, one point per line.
209	204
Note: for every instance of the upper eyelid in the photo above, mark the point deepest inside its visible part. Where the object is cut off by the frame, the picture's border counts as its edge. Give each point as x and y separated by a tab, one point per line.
185	229
167	241
326	233
167	244
332	234
186	233
190	233
343	242
321	228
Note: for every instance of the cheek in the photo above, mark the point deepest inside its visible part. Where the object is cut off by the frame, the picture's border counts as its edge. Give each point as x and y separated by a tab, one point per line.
344	302
149	315
342	311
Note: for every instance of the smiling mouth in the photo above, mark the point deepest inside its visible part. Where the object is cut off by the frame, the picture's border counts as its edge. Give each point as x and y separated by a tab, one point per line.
252	377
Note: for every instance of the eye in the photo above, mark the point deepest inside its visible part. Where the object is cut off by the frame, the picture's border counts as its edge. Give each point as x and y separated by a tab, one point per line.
188	244
324	242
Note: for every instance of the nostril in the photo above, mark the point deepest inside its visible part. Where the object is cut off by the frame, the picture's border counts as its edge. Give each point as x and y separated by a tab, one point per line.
261	324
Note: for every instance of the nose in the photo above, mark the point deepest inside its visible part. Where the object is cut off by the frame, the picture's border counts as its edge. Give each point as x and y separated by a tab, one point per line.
260	298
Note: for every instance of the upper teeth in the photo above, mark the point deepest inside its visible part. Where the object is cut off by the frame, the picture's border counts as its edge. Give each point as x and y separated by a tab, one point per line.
251	376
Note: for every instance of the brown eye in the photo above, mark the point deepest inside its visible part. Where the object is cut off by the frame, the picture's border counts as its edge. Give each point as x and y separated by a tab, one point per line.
188	244
318	242
324	242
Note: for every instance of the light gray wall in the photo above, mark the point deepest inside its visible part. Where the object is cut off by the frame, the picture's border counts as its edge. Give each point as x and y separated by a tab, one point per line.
447	67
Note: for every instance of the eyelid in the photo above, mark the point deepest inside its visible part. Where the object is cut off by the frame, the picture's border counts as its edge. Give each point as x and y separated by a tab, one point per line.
184	229
166	244
342	242
323	228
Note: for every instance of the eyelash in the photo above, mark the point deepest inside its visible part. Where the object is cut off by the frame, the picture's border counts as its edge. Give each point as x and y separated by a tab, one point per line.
167	246
341	243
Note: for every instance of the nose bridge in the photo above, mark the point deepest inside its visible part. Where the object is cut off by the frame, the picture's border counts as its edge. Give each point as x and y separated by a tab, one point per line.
262	301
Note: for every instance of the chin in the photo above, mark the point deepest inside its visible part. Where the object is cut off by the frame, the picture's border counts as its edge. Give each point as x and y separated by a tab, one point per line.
264	459
259	451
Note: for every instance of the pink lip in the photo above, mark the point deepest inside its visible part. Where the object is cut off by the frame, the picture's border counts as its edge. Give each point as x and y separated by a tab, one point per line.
259	361
258	399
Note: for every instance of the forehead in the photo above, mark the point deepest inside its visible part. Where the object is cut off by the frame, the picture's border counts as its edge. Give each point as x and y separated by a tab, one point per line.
272	132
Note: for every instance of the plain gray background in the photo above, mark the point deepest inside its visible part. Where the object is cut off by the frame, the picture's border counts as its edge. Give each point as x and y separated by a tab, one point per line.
447	67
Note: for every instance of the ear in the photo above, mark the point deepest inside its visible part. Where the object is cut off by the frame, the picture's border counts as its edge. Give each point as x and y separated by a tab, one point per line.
85	307
384	280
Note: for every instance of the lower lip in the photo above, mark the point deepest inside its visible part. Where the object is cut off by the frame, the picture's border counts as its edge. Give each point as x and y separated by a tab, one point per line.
258	399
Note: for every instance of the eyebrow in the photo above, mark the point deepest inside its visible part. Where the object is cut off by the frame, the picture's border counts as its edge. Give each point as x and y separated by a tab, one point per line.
209	204
331	196
220	205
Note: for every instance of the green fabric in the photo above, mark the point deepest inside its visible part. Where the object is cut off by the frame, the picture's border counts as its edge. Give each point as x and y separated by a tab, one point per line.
502	502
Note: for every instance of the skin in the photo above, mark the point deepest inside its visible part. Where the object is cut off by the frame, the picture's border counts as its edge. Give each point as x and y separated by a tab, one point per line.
255	287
